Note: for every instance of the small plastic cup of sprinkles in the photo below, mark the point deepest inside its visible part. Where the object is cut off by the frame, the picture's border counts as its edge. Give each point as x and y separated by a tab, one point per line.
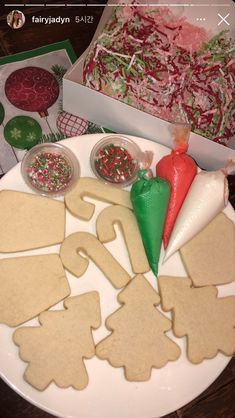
50	169
115	159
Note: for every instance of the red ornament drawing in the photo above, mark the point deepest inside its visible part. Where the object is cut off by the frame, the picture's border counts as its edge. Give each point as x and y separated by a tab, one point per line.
32	89
71	125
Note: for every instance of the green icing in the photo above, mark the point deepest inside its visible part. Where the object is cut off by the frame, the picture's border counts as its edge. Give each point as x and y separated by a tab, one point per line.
150	198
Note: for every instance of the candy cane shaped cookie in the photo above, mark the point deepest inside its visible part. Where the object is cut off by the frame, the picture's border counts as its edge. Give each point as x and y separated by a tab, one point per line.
90	187
77	265
125	218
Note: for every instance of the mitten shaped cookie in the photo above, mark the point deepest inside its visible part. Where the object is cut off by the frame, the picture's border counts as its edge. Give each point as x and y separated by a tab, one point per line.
206	320
138	341
55	350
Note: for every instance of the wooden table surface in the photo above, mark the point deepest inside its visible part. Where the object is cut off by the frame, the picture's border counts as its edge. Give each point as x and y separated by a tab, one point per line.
218	400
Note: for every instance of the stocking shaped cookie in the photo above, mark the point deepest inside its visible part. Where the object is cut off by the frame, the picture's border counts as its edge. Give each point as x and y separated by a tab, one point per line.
56	349
207	321
138	341
89	187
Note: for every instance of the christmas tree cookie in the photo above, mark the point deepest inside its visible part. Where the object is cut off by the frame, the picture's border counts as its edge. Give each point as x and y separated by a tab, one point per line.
56	349
209	257
206	320
138	341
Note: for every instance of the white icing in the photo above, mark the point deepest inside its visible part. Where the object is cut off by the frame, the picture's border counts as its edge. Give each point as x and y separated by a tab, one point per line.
205	200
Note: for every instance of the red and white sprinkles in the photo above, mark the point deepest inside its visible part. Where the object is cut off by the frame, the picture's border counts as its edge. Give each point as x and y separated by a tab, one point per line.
115	164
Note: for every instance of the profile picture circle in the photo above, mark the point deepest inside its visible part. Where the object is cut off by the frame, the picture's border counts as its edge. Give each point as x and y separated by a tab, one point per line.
16	19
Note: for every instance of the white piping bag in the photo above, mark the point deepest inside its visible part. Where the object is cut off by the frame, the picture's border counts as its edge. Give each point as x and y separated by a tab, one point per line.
206	198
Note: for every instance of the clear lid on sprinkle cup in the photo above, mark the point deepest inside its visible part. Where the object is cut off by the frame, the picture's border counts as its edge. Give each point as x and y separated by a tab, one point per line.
50	169
115	159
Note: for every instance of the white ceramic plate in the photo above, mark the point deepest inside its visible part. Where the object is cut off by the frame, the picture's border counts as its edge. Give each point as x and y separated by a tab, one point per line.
108	393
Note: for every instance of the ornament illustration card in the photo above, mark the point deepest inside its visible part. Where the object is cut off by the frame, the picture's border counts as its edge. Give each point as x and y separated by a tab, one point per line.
31	102
31	97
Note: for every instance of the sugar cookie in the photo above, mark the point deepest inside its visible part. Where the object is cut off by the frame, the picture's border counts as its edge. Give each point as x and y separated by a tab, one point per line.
138	341
30	285
209	257
29	221
90	187
125	218
56	349
206	320
77	265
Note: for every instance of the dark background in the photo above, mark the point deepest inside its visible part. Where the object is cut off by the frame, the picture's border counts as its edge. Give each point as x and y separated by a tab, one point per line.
218	400
33	35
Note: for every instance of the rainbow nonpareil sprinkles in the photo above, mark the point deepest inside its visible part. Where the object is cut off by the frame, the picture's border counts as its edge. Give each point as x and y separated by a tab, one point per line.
50	172
115	164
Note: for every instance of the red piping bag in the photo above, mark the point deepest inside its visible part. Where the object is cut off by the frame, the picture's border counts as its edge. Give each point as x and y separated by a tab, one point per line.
179	169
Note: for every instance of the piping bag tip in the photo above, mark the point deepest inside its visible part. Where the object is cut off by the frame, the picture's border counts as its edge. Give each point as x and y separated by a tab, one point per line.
167	255
154	268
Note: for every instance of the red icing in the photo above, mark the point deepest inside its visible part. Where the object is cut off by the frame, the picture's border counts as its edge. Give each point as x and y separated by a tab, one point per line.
179	169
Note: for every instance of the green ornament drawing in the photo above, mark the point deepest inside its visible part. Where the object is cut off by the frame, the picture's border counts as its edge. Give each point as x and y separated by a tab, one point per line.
22	132
2	113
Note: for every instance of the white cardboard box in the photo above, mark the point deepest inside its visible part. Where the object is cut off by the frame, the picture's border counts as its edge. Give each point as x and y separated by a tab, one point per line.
122	118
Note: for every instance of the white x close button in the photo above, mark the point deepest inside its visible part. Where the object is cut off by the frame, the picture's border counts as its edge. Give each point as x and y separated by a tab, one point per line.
223	19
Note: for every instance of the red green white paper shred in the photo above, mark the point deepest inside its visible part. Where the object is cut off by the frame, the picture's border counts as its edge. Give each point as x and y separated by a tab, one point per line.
163	65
